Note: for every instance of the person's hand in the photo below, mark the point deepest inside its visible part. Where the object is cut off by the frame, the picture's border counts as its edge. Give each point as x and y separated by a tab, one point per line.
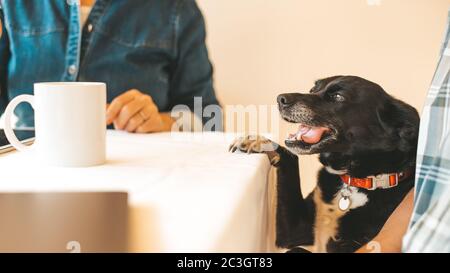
136	112
1	28
390	238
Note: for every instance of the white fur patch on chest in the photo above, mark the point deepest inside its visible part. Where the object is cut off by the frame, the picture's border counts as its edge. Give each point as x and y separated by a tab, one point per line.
327	216
358	199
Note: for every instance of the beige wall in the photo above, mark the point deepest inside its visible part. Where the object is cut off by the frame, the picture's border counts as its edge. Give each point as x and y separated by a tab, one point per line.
261	48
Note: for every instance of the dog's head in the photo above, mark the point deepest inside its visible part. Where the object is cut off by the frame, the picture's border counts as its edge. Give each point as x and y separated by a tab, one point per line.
348	114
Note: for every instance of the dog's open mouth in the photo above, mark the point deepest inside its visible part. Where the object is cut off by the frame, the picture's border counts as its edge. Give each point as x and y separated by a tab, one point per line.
308	136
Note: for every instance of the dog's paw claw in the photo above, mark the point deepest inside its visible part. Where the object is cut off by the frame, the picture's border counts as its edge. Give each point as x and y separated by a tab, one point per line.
232	148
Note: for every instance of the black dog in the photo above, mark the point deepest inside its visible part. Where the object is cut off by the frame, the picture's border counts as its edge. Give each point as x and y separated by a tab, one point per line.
367	143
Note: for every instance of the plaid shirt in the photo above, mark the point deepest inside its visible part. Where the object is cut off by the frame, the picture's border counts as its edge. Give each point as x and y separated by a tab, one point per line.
429	230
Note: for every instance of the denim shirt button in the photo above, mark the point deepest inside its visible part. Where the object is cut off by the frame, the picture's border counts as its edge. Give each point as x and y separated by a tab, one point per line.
72	69
90	27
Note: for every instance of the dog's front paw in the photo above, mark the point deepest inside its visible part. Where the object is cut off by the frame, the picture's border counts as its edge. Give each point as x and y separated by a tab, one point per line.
252	144
256	144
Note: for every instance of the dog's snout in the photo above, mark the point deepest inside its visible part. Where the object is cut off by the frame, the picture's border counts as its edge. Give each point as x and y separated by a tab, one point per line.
286	100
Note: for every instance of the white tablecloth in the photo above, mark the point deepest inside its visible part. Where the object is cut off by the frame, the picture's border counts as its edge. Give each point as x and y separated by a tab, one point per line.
186	191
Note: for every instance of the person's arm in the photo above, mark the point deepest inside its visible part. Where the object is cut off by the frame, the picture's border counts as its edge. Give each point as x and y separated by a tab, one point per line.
191	76
389	240
192	72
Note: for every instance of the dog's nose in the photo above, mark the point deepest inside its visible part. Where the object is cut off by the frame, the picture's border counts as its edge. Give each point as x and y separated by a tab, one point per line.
285	100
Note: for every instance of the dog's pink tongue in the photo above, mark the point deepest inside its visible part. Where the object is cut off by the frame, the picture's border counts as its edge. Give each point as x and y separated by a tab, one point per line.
311	135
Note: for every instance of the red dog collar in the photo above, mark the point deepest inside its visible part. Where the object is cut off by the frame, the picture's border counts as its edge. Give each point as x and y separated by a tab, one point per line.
373	182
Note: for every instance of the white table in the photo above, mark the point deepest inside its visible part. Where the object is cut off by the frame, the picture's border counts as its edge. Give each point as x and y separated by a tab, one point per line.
186	191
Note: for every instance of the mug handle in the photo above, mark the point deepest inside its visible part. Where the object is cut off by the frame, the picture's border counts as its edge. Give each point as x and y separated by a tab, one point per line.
8	115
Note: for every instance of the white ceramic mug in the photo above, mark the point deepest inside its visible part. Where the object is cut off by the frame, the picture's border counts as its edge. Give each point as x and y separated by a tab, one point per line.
70	123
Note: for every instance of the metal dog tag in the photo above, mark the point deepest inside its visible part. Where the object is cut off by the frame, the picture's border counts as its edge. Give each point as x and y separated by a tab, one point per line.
344	203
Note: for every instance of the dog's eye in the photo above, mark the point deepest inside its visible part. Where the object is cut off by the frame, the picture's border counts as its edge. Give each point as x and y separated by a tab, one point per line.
337	97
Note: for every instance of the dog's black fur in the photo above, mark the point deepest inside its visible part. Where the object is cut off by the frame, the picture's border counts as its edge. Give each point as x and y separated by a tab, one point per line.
370	133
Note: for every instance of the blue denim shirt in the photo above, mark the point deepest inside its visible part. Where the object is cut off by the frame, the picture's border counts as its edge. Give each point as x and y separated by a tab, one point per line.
155	46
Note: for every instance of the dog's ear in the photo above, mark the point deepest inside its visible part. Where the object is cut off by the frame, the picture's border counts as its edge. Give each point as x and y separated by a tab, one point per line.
400	121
